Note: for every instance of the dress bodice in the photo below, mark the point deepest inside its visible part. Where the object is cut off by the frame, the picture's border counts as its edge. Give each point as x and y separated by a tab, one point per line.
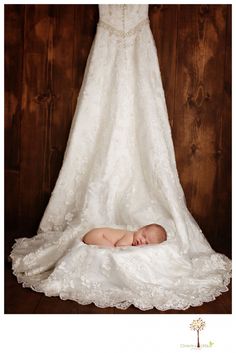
123	17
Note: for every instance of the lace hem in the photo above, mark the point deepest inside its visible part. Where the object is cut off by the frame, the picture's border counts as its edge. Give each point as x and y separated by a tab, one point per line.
136	301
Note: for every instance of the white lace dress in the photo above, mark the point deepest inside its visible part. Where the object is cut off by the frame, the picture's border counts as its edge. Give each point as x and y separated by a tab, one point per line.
119	170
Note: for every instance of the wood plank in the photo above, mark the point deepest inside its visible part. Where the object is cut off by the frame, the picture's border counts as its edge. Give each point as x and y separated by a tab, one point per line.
11	200
199	83
35	98
223	230
18	300
55	305
14	42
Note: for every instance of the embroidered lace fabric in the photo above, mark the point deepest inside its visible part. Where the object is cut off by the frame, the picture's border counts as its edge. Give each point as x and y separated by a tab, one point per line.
119	170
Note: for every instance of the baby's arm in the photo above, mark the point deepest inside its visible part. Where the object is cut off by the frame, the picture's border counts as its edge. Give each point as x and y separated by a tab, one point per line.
96	237
124	241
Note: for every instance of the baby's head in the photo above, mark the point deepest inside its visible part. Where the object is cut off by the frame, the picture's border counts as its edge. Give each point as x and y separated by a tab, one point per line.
149	234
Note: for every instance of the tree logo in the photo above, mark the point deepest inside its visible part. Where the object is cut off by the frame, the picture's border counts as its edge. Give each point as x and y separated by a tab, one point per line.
197	325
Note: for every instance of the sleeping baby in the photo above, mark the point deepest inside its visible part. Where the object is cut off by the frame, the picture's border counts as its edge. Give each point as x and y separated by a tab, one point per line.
149	234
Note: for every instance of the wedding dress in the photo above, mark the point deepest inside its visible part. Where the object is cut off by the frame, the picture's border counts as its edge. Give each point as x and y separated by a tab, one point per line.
119	170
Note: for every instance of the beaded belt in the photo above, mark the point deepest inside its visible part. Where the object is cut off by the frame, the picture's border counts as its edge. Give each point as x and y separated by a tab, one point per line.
122	33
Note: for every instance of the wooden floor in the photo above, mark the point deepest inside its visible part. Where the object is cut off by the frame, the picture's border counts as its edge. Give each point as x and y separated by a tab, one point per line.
19	300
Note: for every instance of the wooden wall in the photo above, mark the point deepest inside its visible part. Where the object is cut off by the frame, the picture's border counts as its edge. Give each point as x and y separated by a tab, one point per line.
46	48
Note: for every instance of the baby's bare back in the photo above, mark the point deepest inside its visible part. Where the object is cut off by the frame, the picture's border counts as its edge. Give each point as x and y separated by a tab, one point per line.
96	236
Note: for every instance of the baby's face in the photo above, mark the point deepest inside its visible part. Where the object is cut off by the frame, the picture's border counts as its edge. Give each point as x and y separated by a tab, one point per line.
144	236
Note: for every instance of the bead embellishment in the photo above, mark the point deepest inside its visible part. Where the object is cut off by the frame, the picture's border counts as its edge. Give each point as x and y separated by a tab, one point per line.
123	34
123	27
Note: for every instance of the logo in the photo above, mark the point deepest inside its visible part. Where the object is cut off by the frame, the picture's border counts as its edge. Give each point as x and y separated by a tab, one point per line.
197	326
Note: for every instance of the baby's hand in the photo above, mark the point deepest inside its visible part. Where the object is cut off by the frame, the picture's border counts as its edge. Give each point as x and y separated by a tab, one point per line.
138	240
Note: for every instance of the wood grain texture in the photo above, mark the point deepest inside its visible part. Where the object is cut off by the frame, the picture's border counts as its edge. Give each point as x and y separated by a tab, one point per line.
52	43
14	40
34	114
196	112
223	183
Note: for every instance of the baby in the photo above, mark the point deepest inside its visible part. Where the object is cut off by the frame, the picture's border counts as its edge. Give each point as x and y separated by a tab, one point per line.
149	234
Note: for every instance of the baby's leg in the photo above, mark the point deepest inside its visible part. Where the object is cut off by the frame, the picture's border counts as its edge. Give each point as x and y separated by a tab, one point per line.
96	239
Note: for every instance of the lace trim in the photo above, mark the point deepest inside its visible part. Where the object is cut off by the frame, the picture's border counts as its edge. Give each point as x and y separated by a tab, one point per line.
112	301
123	34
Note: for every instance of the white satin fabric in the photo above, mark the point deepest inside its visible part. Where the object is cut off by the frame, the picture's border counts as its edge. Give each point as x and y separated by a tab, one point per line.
119	170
